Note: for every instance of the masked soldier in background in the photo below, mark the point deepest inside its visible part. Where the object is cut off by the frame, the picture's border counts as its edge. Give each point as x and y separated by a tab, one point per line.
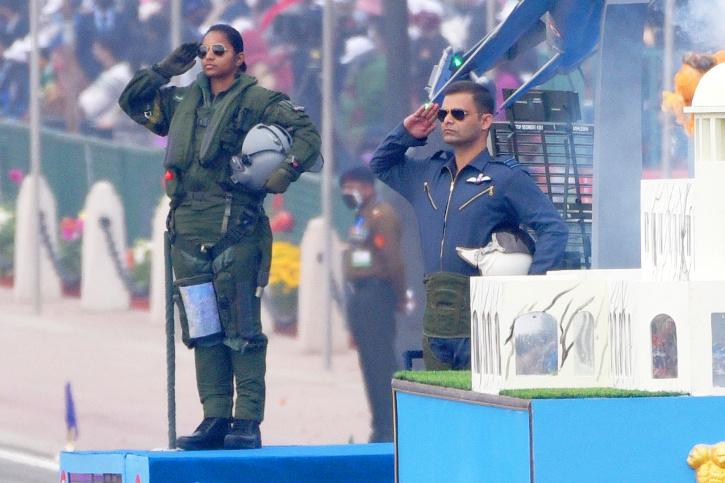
376	280
221	239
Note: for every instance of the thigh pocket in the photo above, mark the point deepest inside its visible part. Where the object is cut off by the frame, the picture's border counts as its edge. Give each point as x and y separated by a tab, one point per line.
447	307
239	309
198	311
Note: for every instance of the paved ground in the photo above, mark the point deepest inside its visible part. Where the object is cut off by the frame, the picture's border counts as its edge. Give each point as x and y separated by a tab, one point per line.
115	362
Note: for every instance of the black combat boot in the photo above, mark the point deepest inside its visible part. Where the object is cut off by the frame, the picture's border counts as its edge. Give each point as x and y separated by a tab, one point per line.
245	434
208	435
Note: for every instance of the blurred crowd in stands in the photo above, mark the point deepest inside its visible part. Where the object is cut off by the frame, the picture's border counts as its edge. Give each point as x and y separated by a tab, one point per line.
91	48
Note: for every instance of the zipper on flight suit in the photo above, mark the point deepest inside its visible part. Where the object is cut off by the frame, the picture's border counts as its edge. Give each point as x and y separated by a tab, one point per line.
430	197
445	215
487	191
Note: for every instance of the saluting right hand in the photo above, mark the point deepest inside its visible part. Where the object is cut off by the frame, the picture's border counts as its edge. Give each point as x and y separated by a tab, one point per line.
179	61
422	122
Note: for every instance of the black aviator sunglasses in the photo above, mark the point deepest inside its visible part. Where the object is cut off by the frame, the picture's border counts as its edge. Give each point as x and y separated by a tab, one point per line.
458	114
217	49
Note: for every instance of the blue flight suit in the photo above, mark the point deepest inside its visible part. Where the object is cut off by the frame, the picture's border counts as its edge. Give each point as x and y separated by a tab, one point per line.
462	209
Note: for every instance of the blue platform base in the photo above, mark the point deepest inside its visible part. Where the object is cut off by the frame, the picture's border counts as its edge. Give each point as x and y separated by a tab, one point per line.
278	464
452	435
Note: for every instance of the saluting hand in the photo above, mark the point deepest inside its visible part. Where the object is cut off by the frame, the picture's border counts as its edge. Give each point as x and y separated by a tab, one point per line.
179	61
422	122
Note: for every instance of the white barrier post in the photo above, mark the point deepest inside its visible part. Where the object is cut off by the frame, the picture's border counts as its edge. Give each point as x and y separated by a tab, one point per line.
311	327
26	238
157	286
102	287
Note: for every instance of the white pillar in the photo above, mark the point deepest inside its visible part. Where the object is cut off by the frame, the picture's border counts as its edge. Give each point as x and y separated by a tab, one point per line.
311	323
157	286
26	239
102	288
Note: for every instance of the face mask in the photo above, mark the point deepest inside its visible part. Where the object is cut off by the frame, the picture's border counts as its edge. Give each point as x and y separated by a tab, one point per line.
352	198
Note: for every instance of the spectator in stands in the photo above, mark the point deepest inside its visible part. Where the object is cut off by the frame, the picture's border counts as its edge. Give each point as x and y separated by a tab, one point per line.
195	12
154	32
14	20
271	68
426	50
361	101
99	101
104	20
14	82
297	31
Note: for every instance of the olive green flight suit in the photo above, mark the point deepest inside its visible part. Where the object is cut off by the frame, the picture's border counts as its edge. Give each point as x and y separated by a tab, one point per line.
204	132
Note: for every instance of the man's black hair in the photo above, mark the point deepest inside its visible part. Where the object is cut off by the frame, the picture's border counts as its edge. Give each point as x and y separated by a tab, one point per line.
481	95
360	174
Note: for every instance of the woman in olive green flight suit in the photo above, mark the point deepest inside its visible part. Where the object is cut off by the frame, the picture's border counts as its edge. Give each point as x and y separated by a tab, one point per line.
220	234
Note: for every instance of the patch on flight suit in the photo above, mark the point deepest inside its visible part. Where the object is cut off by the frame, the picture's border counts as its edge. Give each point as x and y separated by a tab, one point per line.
358	233
510	163
481	178
361	259
290	105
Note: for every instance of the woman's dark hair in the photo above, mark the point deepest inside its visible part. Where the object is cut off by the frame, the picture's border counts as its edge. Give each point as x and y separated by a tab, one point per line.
233	37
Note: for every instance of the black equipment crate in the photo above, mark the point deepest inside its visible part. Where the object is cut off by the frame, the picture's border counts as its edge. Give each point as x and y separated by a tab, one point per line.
559	156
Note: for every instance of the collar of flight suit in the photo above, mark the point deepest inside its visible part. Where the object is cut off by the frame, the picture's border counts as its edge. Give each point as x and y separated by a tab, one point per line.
479	162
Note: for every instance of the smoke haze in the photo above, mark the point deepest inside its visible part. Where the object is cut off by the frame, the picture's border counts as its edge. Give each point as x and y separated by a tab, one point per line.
702	22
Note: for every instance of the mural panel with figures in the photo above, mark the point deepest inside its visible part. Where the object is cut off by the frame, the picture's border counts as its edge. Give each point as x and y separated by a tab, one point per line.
521	333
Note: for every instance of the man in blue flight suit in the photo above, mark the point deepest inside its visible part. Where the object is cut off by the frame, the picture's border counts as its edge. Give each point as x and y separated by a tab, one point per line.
460	200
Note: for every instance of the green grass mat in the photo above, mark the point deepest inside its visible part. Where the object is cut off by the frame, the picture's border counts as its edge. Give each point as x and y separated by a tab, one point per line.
454	379
462	380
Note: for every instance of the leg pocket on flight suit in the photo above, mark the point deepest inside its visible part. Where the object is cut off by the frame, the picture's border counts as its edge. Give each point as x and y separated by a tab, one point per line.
235	275
186	266
446	308
198	310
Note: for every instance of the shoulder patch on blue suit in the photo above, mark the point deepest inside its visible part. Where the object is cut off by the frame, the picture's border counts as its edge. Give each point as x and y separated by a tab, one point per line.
509	162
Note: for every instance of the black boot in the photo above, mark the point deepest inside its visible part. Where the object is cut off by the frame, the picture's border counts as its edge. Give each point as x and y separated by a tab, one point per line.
208	435
245	434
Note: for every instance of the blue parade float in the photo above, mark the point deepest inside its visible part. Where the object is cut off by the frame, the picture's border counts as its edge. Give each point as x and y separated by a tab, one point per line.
445	434
363	463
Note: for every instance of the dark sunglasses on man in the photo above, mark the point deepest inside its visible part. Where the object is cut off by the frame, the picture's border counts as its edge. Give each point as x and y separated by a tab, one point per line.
216	49
458	114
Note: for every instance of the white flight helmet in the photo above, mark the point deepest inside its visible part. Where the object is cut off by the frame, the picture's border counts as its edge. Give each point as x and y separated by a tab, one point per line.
264	147
508	253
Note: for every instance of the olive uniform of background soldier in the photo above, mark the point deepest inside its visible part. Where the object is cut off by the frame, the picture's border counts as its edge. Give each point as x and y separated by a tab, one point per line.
374	274
221	239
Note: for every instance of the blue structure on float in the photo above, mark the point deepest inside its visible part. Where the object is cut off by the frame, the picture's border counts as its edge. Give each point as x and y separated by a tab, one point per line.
354	463
453	435
573	29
